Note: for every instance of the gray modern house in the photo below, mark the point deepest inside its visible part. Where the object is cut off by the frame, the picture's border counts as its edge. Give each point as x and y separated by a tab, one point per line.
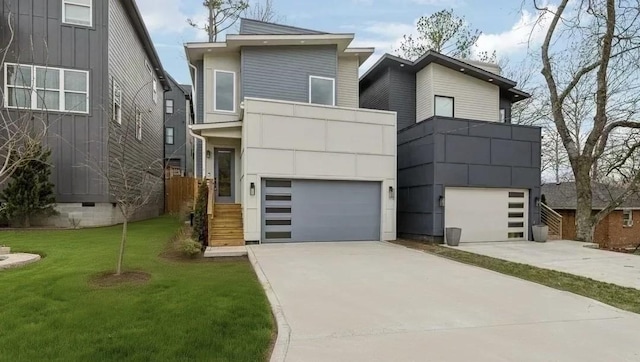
461	163
178	144
89	68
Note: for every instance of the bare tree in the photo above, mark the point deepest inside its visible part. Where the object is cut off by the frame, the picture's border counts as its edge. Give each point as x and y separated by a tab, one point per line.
590	58
263	11
221	15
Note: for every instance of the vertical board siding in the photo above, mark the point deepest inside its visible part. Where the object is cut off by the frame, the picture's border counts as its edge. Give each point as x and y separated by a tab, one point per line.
402	97
181	147
376	94
282	73
78	142
127	66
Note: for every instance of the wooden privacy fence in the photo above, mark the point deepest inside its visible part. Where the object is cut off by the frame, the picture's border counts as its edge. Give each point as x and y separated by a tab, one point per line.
180	193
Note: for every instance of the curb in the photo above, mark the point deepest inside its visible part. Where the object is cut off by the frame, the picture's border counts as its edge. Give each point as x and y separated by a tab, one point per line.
281	345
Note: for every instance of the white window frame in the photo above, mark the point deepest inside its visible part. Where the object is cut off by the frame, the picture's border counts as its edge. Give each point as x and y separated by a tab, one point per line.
333	80
138	123
154	95
215	90
116	99
34	89
72	2
166	106
173	135
453	105
503	115
627	223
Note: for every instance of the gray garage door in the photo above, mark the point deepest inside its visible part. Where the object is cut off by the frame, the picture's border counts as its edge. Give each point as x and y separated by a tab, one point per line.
313	210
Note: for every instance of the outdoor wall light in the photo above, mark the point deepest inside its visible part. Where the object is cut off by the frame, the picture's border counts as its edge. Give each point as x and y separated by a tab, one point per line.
208	154
252	189
537	201
441	201
392	193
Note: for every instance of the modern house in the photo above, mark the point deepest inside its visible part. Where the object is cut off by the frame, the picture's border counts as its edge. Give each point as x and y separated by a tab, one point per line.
617	230
461	163
88	68
293	157
178	116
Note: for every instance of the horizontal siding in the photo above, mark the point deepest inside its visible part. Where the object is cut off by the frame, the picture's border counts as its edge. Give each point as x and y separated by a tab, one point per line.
347	82
376	94
282	73
252	27
227	62
474	98
424	93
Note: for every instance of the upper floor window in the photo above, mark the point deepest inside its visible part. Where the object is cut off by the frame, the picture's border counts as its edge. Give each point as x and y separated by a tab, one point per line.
117	102
77	12
627	218
138	124
154	84
444	106
169	135
322	90
225	91
503	115
48	89
169	106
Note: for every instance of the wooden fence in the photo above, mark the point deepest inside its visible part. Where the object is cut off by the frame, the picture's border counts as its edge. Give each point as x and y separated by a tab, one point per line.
181	193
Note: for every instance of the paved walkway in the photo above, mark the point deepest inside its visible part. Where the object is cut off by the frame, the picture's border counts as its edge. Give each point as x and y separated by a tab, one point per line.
566	256
382	302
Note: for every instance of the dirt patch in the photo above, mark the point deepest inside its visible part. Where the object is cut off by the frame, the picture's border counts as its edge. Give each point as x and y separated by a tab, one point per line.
109	279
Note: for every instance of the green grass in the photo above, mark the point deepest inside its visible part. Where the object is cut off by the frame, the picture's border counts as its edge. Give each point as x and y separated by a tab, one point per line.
614	295
203	311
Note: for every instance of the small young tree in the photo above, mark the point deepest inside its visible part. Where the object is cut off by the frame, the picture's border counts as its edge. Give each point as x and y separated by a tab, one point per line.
443	32
200	224
221	15
29	193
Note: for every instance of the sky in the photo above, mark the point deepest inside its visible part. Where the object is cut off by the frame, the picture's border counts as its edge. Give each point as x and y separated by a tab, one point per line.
509	27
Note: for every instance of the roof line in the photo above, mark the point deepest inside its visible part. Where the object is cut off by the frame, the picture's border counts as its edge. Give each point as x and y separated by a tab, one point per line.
283	25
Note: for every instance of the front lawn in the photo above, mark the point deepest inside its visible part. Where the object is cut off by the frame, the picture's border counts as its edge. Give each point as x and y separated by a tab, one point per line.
615	295
204	311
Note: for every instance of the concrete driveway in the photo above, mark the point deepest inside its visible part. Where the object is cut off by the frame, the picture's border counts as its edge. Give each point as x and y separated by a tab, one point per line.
566	256
375	301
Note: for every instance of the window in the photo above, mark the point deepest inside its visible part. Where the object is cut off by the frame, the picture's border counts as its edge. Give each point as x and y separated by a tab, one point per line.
77	12
117	102
444	106
155	90
225	91
138	124
503	115
169	106
627	218
49	89
322	91
168	135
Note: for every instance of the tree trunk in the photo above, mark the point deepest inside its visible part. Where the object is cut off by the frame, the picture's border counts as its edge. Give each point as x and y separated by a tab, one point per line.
584	220
123	242
27	221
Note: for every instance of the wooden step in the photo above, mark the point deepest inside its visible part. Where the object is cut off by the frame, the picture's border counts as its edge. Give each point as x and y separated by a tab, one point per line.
238	242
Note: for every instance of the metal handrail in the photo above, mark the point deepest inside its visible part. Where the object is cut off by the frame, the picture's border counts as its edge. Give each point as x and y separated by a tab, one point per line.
551	218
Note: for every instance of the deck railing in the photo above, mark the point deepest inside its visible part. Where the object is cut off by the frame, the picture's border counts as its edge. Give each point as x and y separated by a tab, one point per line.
552	219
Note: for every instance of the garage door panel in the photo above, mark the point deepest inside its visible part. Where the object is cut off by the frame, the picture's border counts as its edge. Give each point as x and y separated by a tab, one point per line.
487	214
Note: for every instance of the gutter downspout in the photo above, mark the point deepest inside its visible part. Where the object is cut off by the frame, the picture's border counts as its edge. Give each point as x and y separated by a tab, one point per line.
195	115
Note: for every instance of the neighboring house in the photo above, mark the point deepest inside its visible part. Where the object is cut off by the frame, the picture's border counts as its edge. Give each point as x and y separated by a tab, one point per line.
178	147
89	67
621	228
460	161
277	109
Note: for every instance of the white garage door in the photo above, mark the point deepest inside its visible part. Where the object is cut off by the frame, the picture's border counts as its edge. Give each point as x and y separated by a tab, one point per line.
487	214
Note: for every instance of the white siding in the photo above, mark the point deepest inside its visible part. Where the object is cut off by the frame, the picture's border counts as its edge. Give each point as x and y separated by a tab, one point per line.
347	83
474	98
343	144
227	62
424	94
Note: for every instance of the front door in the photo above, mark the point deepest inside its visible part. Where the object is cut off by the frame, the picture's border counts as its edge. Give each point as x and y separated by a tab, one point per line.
224	173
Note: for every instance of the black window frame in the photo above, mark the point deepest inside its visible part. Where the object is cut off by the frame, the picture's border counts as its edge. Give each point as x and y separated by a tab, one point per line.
453	105
173	135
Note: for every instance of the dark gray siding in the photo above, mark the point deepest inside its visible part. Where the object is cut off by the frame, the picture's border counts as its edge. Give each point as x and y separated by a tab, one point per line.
376	95
127	58
199	115
506	105
440	152
76	141
254	27
402	97
180	150
282	73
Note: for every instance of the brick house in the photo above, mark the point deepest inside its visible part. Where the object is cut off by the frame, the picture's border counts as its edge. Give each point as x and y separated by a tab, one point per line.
618	229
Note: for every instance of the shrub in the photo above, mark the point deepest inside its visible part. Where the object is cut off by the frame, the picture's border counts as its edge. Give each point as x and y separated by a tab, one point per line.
190	248
200	222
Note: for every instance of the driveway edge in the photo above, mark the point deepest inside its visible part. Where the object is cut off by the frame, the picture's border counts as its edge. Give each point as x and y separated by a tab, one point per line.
281	345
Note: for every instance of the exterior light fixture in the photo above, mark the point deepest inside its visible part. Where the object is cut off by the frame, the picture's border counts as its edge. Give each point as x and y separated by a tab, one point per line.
252	189
441	201
462	69
208	154
537	201
490	79
392	193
